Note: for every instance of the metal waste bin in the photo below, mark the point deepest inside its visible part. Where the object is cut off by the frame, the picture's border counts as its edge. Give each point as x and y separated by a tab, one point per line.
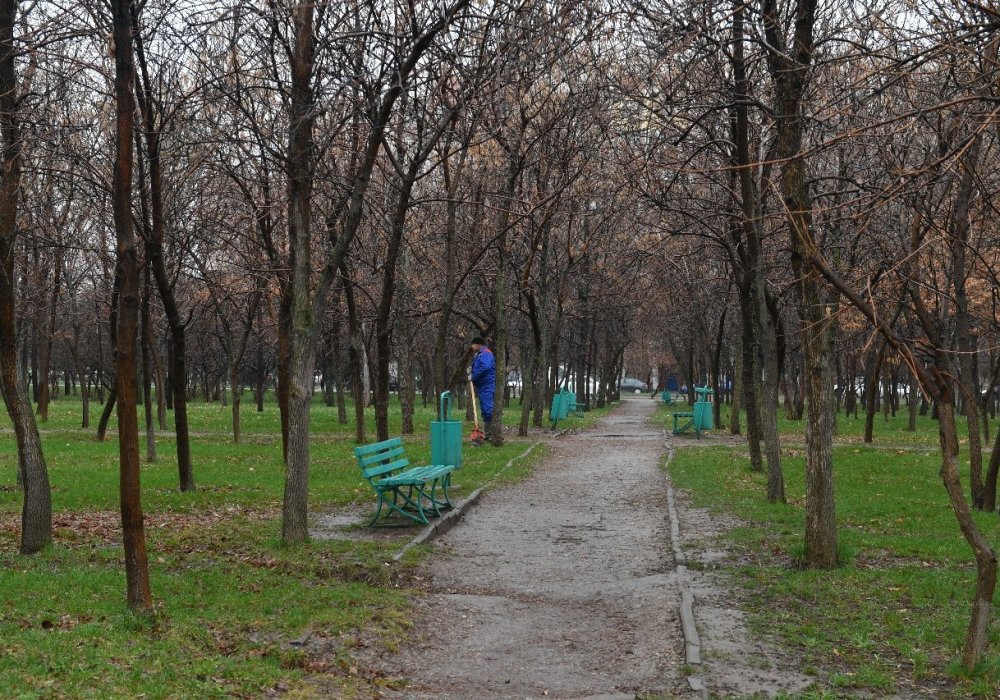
703	415
558	410
446	435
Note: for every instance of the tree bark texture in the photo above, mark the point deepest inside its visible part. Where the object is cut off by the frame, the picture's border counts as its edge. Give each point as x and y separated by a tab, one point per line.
294	528
147	369
873	368
136	566
383	316
789	66
36	511
966	344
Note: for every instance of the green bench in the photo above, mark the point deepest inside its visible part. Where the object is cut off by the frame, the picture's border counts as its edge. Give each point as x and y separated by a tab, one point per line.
667	397
683	422
411	492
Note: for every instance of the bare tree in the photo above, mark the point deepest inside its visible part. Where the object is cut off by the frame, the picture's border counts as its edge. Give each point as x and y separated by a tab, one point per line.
136	564
36	514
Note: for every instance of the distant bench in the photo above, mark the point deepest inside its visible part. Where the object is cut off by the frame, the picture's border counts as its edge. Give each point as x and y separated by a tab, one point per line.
408	491
667	397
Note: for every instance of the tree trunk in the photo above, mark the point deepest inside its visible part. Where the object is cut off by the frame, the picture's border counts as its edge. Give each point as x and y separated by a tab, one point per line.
966	343
873	368
407	392
84	381
383	316
338	366
768	412
356	355
46	341
147	370
716	385
36	512
789	70
301	360
986	560
136	566
737	394
155	259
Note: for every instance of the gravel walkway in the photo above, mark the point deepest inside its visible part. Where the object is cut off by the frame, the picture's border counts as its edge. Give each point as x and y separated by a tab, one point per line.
560	586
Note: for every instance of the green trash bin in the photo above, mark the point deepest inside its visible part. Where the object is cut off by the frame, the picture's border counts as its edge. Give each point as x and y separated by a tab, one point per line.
703	415
564	404
446	435
558	410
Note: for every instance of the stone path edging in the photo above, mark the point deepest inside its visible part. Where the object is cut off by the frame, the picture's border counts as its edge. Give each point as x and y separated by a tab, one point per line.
448	520
692	642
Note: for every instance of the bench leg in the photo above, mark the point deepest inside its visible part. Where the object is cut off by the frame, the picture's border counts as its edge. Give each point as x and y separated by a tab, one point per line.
378	510
684	427
438	504
399	503
414	501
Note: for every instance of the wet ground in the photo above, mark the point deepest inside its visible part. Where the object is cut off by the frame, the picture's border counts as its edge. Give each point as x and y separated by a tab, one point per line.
565	585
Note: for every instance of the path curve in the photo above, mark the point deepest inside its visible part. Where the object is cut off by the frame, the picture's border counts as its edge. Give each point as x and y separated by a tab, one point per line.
560	586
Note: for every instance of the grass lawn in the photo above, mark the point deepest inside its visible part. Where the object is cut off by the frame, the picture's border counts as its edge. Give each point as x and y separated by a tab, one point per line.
892	618
230	599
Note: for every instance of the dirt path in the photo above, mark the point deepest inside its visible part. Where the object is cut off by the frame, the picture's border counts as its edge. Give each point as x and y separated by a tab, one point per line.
561	586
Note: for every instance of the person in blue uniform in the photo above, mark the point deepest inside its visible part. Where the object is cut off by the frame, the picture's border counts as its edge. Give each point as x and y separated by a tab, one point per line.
483	374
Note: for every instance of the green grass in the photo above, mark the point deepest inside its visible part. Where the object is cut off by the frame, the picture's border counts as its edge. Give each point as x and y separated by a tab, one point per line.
892	431
893	616
229	597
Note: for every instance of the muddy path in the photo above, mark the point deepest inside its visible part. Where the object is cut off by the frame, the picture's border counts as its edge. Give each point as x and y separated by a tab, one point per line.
563	585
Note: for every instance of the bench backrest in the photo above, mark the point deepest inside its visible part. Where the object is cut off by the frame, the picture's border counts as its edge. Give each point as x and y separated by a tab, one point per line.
381	458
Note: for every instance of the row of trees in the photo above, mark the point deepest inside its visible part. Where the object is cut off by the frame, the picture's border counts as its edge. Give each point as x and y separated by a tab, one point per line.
833	161
304	189
787	193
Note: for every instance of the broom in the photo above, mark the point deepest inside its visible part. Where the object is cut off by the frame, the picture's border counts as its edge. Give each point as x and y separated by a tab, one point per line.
476	435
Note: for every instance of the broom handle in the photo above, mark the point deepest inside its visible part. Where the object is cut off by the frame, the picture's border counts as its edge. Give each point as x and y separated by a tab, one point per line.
475	410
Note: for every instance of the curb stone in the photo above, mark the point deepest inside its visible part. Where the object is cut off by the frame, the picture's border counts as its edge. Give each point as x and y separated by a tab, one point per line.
692	642
442	525
449	519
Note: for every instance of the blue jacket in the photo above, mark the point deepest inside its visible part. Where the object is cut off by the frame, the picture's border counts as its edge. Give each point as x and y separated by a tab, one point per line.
484	376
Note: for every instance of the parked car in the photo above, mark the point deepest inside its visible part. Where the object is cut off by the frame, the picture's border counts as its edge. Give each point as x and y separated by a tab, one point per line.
631	384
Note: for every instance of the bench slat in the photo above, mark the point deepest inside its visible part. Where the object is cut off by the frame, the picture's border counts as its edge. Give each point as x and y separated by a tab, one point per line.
393	466
368	460
418	475
377	447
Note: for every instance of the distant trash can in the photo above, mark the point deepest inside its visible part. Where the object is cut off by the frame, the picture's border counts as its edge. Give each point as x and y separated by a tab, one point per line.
703	416
446	435
558	411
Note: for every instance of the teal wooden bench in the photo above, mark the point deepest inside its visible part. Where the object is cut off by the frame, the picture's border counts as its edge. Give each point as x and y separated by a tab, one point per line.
412	492
667	397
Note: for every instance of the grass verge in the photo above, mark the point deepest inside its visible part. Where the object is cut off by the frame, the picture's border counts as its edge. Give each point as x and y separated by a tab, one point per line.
891	619
237	614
